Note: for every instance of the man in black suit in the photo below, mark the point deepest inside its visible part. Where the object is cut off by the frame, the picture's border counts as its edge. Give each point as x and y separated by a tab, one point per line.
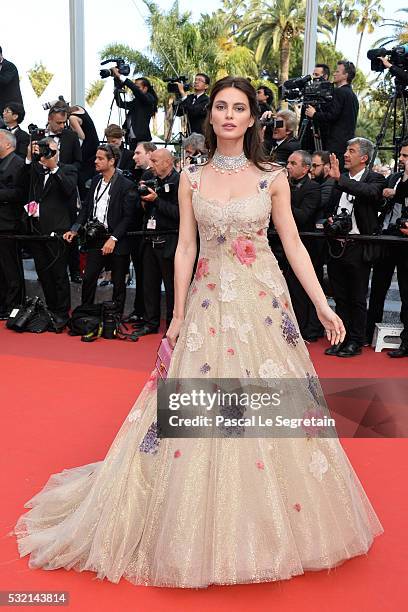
394	256
281	141
195	105
69	149
338	119
140	110
265	97
305	203
11	209
161	213
13	115
53	188
359	192
111	201
9	83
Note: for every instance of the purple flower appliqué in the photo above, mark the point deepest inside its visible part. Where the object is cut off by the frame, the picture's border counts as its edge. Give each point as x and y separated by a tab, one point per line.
289	331
221	239
268	321
205	303
275	303
192	168
205	368
313	386
248	372
150	443
263	184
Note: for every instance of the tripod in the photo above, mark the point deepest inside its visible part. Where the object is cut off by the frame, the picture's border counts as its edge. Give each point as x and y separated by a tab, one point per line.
391	113
120	111
308	125
176	140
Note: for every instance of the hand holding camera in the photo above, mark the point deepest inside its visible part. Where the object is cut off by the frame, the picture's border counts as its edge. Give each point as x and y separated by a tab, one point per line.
147	190
69	236
310	111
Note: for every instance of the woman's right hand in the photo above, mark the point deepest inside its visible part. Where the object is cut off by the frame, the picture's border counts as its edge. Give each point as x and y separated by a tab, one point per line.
173	331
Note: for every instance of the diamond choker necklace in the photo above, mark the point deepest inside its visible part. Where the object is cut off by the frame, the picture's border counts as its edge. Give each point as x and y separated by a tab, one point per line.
226	164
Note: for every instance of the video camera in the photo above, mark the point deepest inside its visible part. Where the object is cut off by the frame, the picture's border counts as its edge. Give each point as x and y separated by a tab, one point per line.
397	56
172	84
308	91
124	69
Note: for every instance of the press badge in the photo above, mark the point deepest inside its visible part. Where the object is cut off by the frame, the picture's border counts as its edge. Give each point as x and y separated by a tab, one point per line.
151	223
167	188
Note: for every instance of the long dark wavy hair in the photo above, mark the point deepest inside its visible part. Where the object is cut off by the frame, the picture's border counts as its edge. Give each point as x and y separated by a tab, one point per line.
253	147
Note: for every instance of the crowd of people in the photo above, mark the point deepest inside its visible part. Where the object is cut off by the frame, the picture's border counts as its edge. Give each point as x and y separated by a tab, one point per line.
61	184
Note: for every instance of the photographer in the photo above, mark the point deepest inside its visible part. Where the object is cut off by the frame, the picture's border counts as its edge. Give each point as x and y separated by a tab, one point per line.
11	210
310	130
52	195
69	147
338	120
266	101
396	71
358	193
305	204
9	83
194	148
393	220
195	105
319	172
13	115
106	216
140	110
280	140
161	208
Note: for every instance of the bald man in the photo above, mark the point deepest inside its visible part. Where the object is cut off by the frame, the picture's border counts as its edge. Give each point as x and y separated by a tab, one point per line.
161	213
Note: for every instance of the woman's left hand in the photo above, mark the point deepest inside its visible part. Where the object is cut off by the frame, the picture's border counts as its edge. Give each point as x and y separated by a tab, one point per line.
333	325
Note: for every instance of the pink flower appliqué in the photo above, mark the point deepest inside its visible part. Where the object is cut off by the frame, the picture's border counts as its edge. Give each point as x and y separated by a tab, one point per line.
313	413
231	351
212	331
260	232
211	286
262	294
194	185
260	465
202	268
297	507
244	249
177	454
152	381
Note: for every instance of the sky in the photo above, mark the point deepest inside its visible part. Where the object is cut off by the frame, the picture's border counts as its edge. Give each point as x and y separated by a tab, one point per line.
108	21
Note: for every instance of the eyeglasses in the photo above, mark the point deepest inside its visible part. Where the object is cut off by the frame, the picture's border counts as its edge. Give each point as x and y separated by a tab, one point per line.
316	165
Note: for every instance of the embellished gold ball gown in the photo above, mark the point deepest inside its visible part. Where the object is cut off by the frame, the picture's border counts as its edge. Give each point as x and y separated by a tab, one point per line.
196	512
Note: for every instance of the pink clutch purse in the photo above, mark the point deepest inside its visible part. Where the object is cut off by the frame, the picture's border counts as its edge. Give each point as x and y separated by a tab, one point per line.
163	358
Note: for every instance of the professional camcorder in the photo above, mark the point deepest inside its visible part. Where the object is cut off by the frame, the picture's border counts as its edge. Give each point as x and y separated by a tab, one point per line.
398	56
124	69
172	84
308	91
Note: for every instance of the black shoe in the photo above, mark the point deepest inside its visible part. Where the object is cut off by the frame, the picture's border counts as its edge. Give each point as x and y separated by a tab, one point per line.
350	349
333	350
140	323
401	351
133	318
76	278
144	331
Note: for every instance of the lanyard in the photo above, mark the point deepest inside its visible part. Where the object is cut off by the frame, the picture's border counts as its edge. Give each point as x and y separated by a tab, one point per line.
98	197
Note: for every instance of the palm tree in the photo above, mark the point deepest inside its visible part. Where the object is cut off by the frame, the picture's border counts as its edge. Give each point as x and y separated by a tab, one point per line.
400	35
271	26
369	17
340	12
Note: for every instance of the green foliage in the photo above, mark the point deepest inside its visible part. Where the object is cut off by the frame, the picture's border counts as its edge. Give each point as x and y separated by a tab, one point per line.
40	77
93	91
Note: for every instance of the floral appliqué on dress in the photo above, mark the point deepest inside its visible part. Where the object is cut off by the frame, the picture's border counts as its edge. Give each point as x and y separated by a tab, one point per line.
150	443
194	339
318	464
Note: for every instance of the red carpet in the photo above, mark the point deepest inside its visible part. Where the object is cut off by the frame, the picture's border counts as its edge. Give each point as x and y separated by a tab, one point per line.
62	403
